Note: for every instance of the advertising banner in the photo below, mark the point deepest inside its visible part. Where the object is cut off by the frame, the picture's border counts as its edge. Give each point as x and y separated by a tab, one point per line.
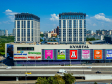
10	49
48	54
73	54
61	54
85	54
97	54
108	54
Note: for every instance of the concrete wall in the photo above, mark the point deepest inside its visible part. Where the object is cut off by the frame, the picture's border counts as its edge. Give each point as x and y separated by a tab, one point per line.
97	77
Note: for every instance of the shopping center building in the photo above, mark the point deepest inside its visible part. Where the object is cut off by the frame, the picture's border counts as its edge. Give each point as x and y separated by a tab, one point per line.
58	54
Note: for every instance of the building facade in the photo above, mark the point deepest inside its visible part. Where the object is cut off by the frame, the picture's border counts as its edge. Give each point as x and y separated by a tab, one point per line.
2	32
60	54
72	27
88	32
6	32
27	28
104	32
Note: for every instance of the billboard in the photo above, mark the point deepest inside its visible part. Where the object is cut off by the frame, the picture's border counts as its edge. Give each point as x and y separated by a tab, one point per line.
27	55
86	54
61	54
10	51
97	54
48	54
73	54
108	54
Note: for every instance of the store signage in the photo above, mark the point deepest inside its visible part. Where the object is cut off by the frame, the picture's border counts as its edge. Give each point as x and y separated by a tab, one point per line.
73	54
97	54
24	54
34	52
85	54
108	54
20	54
79	46
20	51
61	54
34	57
20	57
48	54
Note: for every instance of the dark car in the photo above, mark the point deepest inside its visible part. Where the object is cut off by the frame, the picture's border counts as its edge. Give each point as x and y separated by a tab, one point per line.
98	72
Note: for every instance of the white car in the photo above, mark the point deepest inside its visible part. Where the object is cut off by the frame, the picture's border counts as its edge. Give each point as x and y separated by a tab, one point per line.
89	67
9	67
62	71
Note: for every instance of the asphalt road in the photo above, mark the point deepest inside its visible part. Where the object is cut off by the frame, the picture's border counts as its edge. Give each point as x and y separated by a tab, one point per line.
53	72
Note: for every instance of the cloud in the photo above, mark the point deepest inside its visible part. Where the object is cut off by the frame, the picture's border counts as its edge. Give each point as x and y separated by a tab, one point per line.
86	15
6	22
54	17
101	16
94	24
10	14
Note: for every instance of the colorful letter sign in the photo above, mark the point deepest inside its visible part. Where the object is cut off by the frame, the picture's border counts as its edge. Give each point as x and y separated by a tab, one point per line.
97	54
48	54
61	54
108	54
85	54
73	54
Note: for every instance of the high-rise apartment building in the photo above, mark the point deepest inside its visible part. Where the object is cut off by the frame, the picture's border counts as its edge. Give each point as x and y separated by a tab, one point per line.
89	32
6	32
72	27
27	28
2	32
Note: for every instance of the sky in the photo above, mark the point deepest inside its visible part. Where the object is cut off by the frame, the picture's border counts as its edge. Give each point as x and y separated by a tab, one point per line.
98	12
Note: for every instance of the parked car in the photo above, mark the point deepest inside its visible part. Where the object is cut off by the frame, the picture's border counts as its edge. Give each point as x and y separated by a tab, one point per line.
9	67
98	72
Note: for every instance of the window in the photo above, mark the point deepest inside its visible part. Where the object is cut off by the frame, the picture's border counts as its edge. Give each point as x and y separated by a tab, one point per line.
32	32
18	39
28	32
28	24
24	24
59	23
28	39
70	39
80	39
32	24
25	48
18	32
18	24
80	23
70	23
24	39
74	23
24	32
64	23
84	23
